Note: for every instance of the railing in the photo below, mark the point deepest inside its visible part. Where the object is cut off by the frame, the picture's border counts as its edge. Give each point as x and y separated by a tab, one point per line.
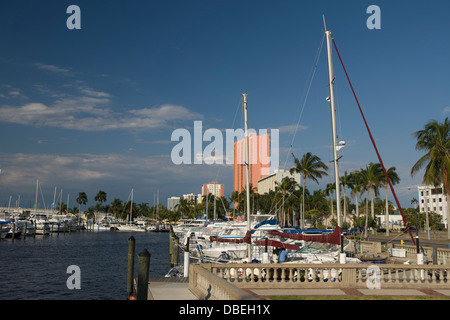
327	275
208	286
438	255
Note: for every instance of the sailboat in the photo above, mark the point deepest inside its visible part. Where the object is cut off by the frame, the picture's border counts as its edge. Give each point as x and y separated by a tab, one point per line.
130	226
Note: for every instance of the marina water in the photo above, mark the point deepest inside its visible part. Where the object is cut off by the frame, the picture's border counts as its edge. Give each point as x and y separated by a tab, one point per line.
36	268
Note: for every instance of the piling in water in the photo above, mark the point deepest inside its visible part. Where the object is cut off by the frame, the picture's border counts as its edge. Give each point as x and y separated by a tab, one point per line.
143	268
131	246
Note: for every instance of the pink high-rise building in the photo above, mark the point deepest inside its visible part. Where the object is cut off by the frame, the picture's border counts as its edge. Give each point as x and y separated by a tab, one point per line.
259	155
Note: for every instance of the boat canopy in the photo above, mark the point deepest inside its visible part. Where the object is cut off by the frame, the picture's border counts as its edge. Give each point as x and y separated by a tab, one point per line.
333	238
277	244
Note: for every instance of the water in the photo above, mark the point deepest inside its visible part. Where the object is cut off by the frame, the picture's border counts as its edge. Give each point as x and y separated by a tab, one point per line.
36	268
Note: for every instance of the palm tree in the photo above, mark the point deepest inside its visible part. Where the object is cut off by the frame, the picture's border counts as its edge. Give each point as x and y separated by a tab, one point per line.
357	188
371	177
286	185
100	197
329	191
183	207
116	206
434	140
394	178
82	199
346	181
310	166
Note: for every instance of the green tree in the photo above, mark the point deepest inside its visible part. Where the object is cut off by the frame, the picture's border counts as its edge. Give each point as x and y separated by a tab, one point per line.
346	181
394	178
100	197
434	140
357	188
81	199
371	177
116	207
309	166
286	185
329	191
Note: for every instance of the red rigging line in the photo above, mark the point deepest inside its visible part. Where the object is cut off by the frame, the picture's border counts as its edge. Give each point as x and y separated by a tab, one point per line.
374	145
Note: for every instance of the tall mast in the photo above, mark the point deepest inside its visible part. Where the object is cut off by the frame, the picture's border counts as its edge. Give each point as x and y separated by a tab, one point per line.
37	187
247	165
333	120
206	206
131	210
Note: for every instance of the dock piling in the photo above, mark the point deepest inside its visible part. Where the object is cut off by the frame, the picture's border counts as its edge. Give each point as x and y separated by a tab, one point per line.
143	268
131	248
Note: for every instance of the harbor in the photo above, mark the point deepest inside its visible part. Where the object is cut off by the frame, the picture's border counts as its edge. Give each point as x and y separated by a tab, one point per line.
242	188
94	251
35	268
404	274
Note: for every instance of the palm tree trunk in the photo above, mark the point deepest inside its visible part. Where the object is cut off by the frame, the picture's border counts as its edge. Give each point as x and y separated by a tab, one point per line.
387	212
357	204
302	222
367	216
332	204
372	206
345	204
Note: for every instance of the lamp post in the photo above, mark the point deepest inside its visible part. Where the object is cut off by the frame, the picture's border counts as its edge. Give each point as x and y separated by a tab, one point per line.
414	201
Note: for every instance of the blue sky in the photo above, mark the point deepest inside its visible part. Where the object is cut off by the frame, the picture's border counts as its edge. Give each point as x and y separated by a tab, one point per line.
90	109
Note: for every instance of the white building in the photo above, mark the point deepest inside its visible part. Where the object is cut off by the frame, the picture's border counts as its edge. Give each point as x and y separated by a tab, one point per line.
268	183
172	203
213	188
432	199
190	197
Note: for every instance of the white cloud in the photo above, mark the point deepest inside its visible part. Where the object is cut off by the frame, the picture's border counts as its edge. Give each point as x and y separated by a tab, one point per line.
291	128
91	113
446	110
114	173
51	68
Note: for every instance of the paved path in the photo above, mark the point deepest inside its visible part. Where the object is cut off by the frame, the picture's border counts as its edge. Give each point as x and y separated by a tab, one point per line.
161	289
352	292
170	289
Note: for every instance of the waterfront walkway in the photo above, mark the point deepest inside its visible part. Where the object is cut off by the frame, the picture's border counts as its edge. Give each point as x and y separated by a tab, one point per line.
162	289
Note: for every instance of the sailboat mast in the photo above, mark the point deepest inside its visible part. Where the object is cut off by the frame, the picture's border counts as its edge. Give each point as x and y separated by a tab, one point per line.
247	165
37	187
333	120
131	210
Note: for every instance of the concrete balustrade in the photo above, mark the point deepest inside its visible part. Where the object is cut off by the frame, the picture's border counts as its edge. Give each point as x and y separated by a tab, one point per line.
438	255
209	277
207	285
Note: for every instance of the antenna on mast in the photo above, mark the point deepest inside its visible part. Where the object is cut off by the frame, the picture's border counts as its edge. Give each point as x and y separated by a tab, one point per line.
324	24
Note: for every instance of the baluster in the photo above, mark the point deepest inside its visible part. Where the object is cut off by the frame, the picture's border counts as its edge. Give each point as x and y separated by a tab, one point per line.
389	277
432	275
